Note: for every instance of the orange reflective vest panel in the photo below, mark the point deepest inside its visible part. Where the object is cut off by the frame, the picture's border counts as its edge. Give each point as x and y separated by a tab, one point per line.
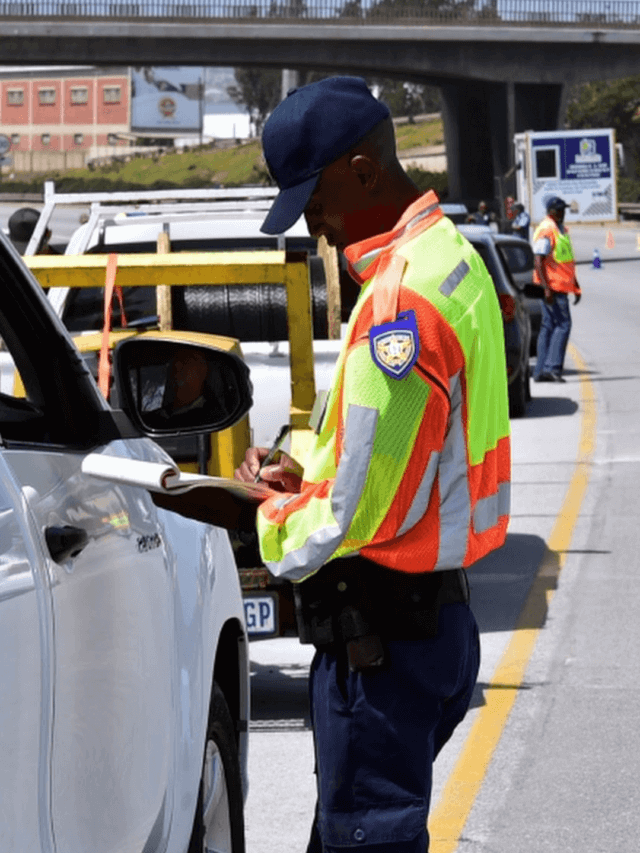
410	464
559	265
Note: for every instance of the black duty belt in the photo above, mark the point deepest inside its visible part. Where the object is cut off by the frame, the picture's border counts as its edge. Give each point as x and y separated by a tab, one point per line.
354	599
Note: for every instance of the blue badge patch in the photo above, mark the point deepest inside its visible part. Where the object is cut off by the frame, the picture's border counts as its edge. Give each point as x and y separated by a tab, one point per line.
395	346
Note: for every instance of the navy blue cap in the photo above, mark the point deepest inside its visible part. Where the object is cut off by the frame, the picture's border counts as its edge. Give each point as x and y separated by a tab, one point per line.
556	203
312	127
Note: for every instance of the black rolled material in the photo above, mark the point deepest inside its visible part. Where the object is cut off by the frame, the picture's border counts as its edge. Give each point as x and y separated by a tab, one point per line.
248	312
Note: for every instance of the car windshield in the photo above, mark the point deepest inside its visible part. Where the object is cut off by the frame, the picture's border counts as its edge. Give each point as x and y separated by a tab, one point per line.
518	258
491	261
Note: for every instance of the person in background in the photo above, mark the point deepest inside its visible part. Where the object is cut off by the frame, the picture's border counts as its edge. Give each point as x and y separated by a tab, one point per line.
22	224
555	270
521	221
482	216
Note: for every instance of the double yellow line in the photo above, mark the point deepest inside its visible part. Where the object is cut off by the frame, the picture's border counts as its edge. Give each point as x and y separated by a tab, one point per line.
450	815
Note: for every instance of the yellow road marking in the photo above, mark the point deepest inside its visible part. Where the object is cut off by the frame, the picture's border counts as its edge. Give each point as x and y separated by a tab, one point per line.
458	796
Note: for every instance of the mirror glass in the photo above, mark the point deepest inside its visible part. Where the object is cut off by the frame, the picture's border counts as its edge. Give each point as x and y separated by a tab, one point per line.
175	387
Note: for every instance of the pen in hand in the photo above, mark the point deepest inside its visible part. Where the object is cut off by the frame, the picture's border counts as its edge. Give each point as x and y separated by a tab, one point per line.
275	447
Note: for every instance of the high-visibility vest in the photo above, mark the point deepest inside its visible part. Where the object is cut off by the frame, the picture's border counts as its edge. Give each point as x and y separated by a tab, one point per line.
559	265
411	473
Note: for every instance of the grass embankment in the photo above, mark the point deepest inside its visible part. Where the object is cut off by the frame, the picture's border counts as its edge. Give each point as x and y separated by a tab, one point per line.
201	167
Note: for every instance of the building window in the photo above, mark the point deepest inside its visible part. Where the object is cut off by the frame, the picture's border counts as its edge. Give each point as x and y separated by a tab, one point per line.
78	138
112	139
45	138
47	96
111	95
79	95
15	97
15	139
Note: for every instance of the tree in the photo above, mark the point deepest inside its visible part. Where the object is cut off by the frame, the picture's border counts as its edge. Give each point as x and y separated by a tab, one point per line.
404	98
614	103
259	89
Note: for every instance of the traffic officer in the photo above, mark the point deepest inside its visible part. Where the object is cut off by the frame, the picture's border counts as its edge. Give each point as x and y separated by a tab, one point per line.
555	270
407	479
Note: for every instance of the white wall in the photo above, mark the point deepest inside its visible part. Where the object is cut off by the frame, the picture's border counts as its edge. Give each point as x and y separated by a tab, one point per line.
226	125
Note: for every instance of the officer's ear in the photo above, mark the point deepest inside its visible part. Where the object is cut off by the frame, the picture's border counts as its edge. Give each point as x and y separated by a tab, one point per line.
366	171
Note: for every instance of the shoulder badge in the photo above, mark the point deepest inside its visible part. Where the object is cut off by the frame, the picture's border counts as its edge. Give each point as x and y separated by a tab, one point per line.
395	346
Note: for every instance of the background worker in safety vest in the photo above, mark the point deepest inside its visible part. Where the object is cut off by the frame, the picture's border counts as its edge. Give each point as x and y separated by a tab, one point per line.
555	270
407	479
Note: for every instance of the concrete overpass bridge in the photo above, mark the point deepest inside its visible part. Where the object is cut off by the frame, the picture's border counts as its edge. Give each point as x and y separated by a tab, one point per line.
503	66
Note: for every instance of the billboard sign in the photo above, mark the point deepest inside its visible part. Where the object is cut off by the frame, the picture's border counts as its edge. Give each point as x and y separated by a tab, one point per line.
166	100
577	165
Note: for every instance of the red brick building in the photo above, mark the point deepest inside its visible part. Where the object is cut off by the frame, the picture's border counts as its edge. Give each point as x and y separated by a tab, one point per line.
65	109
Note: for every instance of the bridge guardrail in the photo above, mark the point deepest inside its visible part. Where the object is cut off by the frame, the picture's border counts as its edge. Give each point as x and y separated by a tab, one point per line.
570	13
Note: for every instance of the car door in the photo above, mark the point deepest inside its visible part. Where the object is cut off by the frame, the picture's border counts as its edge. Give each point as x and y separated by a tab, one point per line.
105	748
25	660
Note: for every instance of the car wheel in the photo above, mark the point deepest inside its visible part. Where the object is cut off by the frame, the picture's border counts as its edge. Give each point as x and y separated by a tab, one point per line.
218	825
517	397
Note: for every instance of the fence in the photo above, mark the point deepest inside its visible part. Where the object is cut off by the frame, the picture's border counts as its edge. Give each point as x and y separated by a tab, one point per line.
574	13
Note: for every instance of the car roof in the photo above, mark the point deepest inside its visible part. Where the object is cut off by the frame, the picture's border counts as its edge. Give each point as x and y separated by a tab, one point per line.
475	230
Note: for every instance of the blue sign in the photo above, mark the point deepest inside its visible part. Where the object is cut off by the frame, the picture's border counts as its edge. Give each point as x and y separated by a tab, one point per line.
585	157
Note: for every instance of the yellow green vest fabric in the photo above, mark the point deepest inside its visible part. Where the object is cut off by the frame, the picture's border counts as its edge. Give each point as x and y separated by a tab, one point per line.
413	473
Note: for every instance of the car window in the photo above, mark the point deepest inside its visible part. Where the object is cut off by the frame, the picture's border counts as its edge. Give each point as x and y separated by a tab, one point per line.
518	258
496	266
46	394
84	307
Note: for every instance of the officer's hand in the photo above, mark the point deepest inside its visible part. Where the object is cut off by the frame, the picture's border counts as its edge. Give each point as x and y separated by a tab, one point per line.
548	296
248	470
284	475
577	299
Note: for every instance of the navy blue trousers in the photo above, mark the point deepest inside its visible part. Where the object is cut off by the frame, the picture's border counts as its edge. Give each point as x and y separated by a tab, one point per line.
377	735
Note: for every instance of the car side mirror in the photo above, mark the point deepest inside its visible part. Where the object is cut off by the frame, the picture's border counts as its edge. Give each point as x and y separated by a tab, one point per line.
170	387
533	291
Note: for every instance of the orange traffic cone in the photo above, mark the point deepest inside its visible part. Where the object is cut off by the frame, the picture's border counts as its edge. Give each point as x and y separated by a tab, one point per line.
610	243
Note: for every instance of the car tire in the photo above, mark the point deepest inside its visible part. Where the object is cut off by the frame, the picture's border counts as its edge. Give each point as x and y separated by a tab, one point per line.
527	384
219	820
518	397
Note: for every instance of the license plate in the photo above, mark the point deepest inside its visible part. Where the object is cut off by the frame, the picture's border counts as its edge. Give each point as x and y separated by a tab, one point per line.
261	615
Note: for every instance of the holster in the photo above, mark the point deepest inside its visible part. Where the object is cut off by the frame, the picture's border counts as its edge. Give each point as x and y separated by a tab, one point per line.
355	604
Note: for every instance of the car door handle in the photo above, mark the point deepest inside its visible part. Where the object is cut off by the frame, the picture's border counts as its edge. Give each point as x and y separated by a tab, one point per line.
65	542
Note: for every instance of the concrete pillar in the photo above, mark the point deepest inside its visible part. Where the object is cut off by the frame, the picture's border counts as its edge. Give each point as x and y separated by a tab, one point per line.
480	120
467	135
289	81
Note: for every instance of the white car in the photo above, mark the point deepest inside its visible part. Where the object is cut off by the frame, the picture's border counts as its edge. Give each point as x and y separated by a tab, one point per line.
124	693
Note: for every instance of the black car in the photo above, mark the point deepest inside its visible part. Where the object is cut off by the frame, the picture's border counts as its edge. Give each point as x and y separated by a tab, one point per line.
517	325
518	255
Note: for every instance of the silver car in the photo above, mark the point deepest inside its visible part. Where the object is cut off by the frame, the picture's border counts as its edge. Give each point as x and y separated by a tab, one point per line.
123	654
